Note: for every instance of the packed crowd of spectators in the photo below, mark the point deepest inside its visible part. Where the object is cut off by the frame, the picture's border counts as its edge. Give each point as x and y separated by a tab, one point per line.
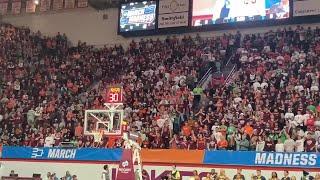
271	104
46	84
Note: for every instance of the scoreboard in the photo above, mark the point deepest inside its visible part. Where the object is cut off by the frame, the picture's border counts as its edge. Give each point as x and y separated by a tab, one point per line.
114	94
137	16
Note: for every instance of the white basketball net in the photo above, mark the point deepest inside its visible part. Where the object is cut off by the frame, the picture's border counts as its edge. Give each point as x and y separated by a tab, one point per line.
98	136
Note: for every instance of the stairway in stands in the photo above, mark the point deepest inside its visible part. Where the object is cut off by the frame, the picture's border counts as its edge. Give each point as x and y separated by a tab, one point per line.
227	72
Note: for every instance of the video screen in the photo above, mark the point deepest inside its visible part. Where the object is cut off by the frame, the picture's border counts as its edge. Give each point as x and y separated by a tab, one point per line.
137	16
228	11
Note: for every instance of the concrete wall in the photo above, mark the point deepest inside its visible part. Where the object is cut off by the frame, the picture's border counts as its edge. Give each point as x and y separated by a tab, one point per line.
79	24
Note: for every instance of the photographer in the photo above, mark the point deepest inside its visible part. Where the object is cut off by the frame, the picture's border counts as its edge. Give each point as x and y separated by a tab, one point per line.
175	174
258	176
306	176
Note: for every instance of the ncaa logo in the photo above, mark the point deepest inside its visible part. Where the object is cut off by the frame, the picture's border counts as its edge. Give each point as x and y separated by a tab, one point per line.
125	164
36	152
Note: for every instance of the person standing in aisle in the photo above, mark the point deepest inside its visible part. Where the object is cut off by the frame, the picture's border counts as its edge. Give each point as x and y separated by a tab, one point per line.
105	173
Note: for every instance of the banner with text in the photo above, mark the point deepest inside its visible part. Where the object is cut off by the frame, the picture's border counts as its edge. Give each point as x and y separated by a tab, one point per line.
173	6
82	3
69	4
274	159
126	169
229	158
3	7
306	7
45	5
173	13
30	7
82	154
16	7
173	20
57	4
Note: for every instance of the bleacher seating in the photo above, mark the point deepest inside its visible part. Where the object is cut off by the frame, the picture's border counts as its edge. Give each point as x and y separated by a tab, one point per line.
271	102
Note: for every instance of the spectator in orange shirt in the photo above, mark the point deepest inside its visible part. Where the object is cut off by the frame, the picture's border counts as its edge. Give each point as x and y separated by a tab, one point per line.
96	104
78	130
69	115
111	142
51	107
11	103
75	89
248	129
223	143
186	129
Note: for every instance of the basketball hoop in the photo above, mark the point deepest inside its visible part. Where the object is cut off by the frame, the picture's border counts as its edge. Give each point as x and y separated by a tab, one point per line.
98	136
109	119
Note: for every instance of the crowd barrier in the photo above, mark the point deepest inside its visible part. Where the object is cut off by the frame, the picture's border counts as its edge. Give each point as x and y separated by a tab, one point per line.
229	158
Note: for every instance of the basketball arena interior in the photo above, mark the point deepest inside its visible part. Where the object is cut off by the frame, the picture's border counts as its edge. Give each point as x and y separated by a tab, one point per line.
159	89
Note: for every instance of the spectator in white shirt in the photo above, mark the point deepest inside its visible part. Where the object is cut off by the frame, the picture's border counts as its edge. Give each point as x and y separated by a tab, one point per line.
216	133
289	115
105	173
298	120
279	146
49	141
317	132
299	88
299	145
48	176
300	132
289	144
260	144
237	100
264	85
256	85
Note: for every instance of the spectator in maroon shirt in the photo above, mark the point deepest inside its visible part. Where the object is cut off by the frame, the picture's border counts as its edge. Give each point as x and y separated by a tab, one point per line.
310	143
157	143
184	144
269	145
201	142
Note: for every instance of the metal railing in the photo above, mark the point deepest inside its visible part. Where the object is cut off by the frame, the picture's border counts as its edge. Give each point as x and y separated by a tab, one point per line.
207	74
204	77
229	77
229	60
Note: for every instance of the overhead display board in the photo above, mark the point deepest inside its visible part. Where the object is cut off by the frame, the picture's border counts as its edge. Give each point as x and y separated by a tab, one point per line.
173	13
206	12
306	7
137	16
